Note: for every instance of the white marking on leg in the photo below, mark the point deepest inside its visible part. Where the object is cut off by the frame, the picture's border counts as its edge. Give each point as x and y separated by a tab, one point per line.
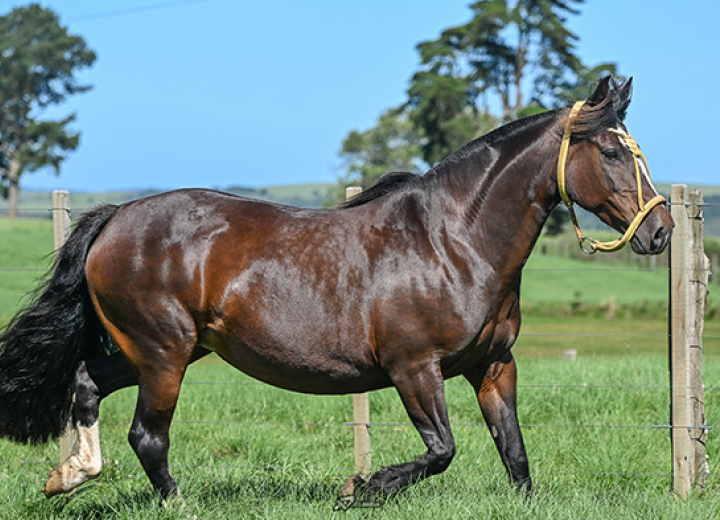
83	464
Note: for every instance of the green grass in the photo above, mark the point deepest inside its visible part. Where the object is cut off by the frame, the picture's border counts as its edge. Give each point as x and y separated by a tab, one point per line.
251	458
555	279
26	248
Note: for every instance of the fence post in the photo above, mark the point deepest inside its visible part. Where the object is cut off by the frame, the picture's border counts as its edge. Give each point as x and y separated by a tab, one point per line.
679	410
698	291
688	292
361	407
61	230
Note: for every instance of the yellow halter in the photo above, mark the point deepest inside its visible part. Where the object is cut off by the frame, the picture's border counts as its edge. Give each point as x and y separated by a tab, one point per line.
645	207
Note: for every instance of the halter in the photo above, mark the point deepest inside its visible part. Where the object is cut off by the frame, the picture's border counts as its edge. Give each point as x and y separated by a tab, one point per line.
645	207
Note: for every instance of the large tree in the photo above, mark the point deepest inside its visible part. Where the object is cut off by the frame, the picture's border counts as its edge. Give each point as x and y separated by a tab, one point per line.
515	57
39	60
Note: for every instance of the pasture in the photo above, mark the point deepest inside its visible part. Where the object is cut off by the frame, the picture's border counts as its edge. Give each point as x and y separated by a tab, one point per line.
242	450
594	427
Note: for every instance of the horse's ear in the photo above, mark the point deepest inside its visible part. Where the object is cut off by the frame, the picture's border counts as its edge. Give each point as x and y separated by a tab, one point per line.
622	99
601	92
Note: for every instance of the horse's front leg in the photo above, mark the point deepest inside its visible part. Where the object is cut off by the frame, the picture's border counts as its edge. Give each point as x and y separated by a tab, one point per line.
423	395
496	390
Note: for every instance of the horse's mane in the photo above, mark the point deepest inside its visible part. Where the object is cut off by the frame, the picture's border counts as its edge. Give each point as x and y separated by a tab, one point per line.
605	108
388	183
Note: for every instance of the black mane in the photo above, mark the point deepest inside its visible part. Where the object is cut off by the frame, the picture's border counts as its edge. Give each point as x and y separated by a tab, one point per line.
387	184
605	108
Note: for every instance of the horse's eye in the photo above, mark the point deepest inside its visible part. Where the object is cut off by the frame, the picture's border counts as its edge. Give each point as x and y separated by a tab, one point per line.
612	154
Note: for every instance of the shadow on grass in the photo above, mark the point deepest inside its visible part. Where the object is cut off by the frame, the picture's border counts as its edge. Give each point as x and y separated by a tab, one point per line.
132	496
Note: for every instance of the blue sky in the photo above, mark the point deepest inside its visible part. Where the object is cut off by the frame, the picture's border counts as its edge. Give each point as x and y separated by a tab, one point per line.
217	93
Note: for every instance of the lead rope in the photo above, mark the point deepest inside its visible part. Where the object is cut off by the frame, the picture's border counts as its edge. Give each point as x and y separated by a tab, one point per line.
645	207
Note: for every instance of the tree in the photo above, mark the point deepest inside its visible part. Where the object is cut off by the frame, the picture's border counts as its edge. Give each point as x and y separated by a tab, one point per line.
39	60
508	53
557	220
391	145
443	106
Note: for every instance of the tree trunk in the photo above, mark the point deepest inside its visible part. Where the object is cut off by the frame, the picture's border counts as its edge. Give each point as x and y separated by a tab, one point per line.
13	188
519	71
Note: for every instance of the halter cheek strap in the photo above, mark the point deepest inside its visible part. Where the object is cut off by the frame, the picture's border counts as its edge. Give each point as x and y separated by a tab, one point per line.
645	207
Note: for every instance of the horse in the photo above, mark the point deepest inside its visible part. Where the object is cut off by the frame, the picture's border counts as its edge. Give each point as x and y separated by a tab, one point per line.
415	281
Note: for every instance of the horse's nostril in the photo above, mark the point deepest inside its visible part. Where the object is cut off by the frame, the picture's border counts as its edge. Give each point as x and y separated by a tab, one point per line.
660	239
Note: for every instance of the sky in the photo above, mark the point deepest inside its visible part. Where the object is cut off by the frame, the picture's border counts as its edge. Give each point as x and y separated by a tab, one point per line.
219	93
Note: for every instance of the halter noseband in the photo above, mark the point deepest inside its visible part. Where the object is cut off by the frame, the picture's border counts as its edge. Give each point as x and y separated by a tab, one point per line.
645	207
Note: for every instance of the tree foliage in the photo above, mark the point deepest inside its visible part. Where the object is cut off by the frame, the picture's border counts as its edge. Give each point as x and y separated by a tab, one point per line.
511	52
39	60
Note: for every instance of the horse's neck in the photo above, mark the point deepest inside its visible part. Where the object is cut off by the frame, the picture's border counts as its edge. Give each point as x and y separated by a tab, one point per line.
504	192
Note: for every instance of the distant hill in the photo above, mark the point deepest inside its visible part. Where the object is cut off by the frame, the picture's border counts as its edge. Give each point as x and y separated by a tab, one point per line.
36	203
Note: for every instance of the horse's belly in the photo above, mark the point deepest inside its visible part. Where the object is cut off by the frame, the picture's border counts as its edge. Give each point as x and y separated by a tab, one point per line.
317	370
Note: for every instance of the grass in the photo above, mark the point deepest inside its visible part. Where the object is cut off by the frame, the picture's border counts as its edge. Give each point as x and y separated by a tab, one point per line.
242	450
556	279
26	247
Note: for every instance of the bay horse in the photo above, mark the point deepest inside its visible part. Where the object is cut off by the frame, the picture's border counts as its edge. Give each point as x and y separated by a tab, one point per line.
415	281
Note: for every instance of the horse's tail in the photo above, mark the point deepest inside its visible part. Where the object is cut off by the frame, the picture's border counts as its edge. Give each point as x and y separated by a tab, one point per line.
44	343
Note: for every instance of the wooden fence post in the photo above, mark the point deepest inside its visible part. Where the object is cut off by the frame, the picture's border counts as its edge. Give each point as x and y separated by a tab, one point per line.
61	230
698	291
688	291
361	407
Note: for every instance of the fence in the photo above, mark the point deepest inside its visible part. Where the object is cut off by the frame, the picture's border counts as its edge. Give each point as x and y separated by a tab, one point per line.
687	433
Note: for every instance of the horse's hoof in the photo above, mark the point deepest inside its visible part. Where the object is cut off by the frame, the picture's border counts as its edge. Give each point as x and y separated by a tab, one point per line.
68	476
355	493
347	496
54	485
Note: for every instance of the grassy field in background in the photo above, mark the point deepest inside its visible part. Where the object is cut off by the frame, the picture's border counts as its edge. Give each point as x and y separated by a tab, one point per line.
36	203
26	248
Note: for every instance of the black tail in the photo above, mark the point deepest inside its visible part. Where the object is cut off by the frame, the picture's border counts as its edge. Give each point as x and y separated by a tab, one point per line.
44	343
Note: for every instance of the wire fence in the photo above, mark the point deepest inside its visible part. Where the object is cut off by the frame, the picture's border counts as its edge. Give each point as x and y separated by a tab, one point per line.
379	425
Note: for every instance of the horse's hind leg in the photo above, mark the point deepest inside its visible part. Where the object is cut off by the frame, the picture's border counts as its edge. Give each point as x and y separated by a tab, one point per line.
94	380
496	390
161	367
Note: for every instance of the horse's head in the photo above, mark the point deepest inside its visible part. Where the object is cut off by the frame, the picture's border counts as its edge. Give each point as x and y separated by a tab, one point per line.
602	169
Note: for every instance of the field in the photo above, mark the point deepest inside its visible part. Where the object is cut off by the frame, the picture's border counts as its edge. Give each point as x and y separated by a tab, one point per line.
242	450
594	427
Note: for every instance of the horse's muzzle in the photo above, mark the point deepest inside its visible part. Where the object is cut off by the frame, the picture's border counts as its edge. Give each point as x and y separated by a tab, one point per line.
656	244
